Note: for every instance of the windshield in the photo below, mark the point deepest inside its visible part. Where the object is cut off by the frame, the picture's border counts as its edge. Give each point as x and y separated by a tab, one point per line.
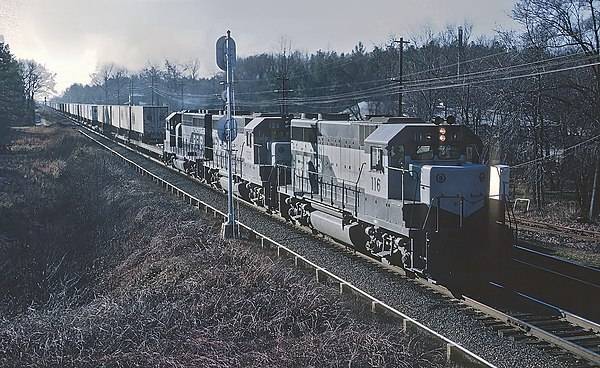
448	152
442	152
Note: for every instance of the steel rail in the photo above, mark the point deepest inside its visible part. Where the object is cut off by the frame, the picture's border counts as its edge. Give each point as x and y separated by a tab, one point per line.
572	270
541	333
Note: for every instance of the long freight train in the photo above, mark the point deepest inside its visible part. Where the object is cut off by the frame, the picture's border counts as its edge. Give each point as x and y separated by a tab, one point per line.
409	192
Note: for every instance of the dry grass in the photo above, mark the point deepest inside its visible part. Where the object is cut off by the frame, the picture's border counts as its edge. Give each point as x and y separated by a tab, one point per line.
117	274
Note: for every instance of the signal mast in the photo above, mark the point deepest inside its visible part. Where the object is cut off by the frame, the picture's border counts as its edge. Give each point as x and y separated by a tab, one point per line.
226	59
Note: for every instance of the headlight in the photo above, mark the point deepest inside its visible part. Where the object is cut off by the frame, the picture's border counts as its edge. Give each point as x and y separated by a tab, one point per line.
442	138
442	130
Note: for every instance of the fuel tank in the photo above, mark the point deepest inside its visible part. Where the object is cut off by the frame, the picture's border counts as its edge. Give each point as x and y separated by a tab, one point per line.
333	226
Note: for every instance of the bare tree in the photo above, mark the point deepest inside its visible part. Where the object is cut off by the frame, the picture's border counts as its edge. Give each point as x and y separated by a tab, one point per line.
569	26
120	79
193	69
173	73
37	79
101	78
152	72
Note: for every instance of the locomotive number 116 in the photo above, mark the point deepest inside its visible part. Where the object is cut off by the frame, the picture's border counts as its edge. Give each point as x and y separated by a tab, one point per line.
376	184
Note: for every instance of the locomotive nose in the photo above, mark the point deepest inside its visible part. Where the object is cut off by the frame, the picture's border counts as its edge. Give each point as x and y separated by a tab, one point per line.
460	190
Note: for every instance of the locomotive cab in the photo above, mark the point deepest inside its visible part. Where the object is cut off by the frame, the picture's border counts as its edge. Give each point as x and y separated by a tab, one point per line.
430	202
266	146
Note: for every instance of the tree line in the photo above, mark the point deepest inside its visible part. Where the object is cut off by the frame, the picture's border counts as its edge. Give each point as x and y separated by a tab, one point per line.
21	82
533	95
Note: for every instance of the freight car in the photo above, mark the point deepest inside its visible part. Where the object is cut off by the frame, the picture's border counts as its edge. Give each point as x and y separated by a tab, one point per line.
140	123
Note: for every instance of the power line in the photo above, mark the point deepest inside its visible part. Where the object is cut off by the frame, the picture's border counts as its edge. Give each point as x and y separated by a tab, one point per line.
381	79
393	91
390	84
562	154
429	84
414	83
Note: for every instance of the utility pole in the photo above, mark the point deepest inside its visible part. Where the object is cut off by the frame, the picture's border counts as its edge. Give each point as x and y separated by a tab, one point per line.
283	102
283	78
130	105
465	100
182	95
460	46
400	72
540	146
152	79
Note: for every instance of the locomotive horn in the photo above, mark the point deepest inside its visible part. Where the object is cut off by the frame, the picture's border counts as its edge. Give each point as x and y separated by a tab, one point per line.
437	120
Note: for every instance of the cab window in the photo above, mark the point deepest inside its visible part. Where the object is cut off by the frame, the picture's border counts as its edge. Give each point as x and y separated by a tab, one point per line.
376	158
397	156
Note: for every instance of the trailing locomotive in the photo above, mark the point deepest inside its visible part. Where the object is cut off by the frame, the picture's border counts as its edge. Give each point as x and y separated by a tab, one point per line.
403	190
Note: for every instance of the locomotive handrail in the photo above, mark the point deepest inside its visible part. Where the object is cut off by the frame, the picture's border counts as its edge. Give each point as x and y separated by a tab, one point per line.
342	186
356	202
328	191
410	171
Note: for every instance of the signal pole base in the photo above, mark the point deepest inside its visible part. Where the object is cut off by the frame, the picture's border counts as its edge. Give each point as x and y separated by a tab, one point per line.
228	231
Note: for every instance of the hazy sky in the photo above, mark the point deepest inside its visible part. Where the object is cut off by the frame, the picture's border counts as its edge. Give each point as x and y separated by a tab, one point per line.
71	37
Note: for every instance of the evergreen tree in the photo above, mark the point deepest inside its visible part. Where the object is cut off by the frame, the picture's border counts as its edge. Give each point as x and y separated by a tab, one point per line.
11	90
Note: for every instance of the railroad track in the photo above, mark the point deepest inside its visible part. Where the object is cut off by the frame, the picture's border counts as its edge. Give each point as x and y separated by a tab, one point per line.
569	285
558	230
549	263
521	317
552	330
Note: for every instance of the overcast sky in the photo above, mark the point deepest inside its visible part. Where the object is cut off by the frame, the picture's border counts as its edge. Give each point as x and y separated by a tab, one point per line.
71	37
